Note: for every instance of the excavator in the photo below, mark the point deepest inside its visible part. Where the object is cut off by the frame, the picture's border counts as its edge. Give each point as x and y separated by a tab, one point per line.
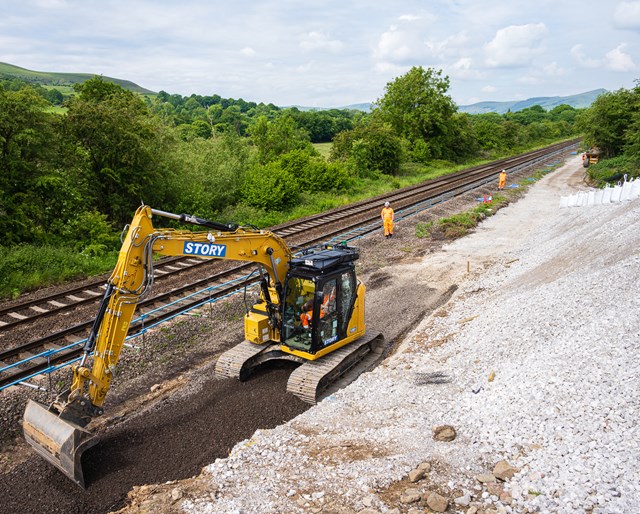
310	310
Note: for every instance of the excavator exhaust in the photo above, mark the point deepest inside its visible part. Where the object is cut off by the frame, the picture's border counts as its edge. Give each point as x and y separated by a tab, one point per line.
59	441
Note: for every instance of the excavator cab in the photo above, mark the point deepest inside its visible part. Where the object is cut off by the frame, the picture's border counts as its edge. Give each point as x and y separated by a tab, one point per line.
320	292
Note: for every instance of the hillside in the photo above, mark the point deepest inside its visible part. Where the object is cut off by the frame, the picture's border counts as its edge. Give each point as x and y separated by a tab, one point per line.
52	79
9	71
578	101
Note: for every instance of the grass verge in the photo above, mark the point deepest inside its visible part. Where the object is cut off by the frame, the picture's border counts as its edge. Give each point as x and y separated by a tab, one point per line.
461	224
28	267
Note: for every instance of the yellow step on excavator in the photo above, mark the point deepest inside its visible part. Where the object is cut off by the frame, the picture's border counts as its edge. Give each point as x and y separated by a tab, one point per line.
310	310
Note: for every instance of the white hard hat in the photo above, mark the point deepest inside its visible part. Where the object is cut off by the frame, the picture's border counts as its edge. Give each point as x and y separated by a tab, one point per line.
386	204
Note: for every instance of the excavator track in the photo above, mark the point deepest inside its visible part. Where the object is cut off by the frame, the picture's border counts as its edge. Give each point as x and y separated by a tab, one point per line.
317	379
240	361
313	380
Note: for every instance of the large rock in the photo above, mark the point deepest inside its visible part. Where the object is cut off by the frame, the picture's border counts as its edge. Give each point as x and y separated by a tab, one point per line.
444	433
504	471
410	496
415	475
485	478
437	502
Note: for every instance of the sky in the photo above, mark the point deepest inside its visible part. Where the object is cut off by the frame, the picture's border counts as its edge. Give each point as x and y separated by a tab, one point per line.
326	53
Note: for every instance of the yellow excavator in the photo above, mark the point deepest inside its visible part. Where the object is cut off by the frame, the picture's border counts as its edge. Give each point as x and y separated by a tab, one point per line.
310	310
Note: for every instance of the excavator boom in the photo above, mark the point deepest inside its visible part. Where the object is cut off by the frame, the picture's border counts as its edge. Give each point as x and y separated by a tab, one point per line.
58	432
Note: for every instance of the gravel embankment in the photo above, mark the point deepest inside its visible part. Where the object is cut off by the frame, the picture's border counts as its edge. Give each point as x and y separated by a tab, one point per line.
535	361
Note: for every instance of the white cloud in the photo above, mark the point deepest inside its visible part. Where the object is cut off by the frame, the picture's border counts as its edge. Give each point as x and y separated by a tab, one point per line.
306	67
515	46
463	69
489	89
618	60
328	53
395	45
318	41
529	80
388	67
52	4
627	15
554	70
577	51
405	41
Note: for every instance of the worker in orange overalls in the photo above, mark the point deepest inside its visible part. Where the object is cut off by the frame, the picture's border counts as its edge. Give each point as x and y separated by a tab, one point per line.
307	308
585	160
502	180
387	220
307	314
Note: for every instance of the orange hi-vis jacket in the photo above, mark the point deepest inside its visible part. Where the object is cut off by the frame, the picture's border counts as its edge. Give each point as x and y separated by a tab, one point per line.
387	220
305	317
502	179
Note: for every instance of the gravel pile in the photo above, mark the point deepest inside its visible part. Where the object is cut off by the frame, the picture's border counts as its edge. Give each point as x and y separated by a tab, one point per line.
534	366
520	394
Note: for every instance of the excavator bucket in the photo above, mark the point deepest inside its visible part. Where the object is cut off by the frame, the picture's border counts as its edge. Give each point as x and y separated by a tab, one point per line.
59	441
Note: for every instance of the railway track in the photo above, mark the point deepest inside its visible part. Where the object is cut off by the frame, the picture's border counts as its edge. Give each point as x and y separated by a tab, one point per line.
218	279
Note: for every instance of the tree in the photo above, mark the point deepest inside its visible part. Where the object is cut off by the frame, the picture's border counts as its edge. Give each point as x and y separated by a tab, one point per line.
313	173
489	131
371	146
41	181
274	138
532	114
417	106
25	129
632	144
564	113
54	96
125	147
208	174
606	123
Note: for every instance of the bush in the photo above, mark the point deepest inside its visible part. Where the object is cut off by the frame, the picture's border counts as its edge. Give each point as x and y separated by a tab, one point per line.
458	225
91	234
313	173
424	229
613	170
417	151
269	187
372	147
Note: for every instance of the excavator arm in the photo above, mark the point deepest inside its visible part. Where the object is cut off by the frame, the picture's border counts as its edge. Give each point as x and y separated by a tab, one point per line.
57	432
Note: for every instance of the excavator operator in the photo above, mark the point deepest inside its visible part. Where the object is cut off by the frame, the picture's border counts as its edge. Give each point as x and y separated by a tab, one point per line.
307	308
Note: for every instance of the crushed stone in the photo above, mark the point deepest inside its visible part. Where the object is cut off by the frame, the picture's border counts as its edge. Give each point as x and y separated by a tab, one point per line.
534	362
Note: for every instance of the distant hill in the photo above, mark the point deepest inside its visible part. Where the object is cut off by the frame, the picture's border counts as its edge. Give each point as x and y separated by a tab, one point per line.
365	107
9	71
579	101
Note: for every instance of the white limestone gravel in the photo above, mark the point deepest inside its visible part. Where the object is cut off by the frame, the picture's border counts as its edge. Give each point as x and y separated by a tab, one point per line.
535	360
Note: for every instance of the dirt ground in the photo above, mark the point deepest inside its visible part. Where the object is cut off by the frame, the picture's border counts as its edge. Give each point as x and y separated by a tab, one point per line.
190	418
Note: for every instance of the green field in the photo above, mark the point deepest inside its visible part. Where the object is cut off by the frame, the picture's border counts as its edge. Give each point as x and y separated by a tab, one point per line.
323	148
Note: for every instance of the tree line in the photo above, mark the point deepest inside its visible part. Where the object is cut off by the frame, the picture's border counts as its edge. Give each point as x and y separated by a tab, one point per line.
74	178
611	126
